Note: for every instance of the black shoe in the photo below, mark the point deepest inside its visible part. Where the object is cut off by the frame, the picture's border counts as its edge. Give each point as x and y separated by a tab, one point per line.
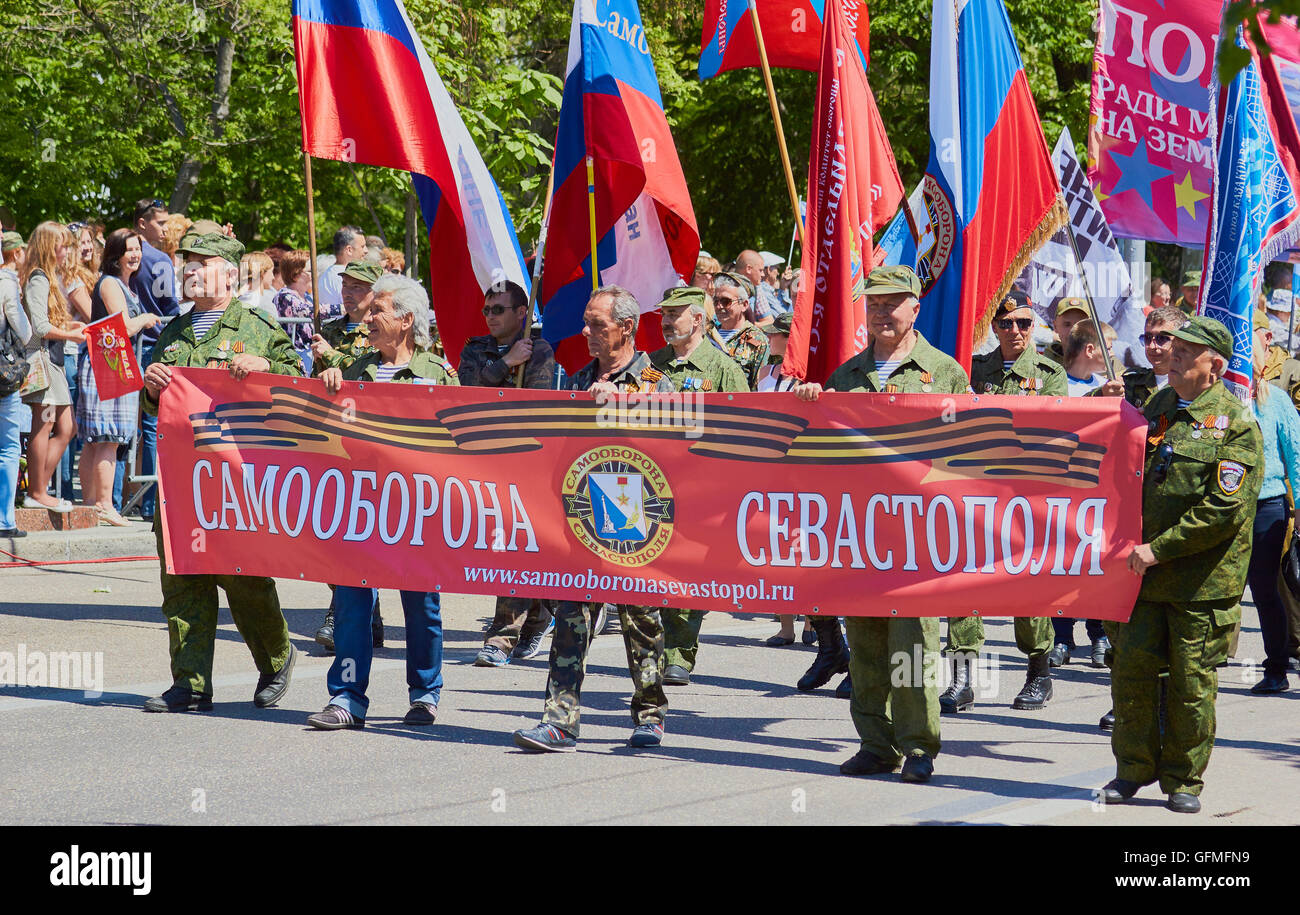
1107	722
325	634
1038	686
809	637
864	762
1182	802
1099	651
531	646
421	714
545	738
845	689
917	768
646	734
777	641
832	655
12	533
959	695
272	687
377	629
180	699
1271	685
676	676
1059	656
1117	791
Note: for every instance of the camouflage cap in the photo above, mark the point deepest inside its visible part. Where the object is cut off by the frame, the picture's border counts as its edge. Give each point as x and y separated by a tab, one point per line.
1072	302
364	271
892	280
741	281
10	240
1013	301
1191	278
1206	332
213	244
682	296
781	324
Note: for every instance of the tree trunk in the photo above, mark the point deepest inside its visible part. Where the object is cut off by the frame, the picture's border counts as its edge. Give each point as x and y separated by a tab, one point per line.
188	176
183	189
412	244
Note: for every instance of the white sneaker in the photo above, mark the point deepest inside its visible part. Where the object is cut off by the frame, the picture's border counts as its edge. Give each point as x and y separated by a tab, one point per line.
63	506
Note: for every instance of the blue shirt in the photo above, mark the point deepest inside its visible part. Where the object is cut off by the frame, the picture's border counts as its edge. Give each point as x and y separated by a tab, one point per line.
155	285
1280	425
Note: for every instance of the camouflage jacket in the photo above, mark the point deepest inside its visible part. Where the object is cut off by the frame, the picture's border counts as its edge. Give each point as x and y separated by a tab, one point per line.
705	369
424	368
748	347
1198	514
1031	374
926	370
637	376
1139	386
346	346
238	330
482	364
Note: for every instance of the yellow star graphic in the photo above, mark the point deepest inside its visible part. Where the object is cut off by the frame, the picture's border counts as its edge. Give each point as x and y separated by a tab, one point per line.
1101	195
1187	196
622	500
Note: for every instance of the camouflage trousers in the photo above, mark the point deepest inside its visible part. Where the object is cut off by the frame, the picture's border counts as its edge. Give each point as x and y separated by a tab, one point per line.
1191	639
894	706
681	636
517	618
190	605
643	637
1033	634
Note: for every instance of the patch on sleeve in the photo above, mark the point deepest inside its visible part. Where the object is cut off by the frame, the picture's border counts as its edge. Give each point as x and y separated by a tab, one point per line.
1230	476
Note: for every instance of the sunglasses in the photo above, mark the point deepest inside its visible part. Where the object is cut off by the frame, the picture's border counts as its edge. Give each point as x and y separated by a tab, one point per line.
77	226
1157	339
496	310
724	300
1015	323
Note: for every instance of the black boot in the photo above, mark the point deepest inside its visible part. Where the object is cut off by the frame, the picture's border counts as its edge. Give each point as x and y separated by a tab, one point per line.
832	654
959	695
377	627
325	634
1038	685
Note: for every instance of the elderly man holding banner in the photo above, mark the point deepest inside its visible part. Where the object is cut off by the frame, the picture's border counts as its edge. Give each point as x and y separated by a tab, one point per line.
897	722
397	326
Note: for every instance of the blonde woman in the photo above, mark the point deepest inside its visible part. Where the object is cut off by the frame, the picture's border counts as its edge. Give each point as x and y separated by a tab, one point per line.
257	272
48	251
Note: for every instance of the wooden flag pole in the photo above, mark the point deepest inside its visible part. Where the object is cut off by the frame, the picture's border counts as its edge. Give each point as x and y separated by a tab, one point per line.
776	118
311	242
591	213
536	285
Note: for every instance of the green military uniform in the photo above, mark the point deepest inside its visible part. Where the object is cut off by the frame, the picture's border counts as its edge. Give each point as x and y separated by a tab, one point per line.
748	347
190	601
423	367
894	721
706	369
1030	375
1140	385
1185	305
1204	466
643	634
346	344
482	362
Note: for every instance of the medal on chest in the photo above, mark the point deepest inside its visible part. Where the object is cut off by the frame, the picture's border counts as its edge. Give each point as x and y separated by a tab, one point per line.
927	382
1158	427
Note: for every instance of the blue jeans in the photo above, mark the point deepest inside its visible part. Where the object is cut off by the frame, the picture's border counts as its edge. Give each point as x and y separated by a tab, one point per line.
148	445
11	417
119	477
64	473
349	675
1063	630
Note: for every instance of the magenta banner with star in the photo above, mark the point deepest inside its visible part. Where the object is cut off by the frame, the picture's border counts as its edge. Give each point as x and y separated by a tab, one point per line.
1149	156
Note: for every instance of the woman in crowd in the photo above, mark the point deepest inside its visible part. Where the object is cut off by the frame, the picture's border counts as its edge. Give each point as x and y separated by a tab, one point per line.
44	271
706	268
76	281
107	427
256	273
177	225
392	260
12	420
293	301
1280	427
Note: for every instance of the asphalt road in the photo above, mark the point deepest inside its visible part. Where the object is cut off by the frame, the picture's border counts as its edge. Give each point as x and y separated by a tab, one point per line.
742	745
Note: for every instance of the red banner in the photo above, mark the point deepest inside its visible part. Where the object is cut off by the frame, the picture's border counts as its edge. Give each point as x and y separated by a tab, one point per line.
111	357
859	504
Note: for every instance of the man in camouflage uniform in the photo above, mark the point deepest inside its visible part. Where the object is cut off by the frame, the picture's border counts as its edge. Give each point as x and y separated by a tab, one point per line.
507	356
240	340
894	722
1190	292
693	365
610	322
745	343
1013	368
341	340
1204	466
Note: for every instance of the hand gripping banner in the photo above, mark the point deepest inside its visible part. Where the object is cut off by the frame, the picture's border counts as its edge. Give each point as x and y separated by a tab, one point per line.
857	505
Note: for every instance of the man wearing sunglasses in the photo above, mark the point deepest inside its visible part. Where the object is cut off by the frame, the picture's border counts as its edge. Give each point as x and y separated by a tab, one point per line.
1140	384
1204	467
1014	368
508	357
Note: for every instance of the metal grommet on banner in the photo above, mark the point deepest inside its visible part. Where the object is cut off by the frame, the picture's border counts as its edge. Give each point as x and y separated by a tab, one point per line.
974	613
588	597
238	569
361	386
301	575
295	381
572	396
817	609
363	581
892	399
975	399
512	590
665	602
893	613
501	393
1060	612
437	587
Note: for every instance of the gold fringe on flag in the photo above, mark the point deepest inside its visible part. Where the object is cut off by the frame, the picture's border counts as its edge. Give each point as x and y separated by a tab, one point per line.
1052	222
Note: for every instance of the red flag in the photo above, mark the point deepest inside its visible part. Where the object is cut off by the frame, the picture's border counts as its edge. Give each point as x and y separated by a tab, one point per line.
853	189
791	35
111	357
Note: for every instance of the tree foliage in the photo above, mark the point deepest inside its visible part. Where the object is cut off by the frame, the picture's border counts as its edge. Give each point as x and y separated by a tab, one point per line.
109	101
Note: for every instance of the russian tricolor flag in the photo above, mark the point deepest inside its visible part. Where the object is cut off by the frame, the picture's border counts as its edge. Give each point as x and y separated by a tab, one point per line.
648	239
990	197
369	93
792	34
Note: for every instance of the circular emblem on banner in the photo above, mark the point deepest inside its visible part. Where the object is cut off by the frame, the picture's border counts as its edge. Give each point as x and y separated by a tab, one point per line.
934	249
618	503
